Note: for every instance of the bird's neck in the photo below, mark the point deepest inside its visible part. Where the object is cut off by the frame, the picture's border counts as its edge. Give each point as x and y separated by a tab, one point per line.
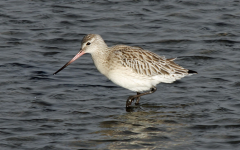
100	59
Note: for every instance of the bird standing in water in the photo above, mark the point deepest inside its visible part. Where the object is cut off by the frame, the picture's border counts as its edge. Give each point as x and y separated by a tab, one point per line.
130	67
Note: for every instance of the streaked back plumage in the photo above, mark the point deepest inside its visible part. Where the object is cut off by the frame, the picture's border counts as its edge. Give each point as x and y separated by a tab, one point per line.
147	63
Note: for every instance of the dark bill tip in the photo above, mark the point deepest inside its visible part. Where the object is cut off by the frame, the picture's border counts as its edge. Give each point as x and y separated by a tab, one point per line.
68	63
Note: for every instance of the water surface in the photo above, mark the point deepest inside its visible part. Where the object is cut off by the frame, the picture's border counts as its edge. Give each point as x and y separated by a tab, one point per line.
81	109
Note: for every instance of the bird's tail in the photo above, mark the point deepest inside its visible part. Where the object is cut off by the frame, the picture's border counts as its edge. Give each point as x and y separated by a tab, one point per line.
192	72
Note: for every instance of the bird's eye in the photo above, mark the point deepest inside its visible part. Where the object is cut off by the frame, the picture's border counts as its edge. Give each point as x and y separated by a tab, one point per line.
88	43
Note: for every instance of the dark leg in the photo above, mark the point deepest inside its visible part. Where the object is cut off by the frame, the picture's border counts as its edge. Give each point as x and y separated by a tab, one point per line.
131	98
138	99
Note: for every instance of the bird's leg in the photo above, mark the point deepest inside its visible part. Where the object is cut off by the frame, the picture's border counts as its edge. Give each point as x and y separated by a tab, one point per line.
138	99
131	98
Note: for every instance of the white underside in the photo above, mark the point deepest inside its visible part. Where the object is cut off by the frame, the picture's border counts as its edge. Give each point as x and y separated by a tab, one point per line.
136	82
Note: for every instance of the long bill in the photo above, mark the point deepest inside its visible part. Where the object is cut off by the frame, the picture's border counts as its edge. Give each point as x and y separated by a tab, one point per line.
79	54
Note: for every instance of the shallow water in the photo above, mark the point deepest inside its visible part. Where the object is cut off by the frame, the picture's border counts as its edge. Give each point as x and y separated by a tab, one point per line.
81	109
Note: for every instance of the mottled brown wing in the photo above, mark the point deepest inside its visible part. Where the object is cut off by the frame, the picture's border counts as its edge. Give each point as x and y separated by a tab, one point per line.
146	62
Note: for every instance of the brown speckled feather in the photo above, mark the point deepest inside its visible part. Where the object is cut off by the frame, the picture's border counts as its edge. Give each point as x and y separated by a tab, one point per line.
146	62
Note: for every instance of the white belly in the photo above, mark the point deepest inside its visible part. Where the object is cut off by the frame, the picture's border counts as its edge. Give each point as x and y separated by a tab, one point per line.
128	79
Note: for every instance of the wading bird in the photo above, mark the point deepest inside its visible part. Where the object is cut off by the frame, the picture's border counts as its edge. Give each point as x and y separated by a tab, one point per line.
130	67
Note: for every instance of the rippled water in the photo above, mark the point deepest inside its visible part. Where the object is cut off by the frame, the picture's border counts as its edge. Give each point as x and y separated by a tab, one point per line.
79	108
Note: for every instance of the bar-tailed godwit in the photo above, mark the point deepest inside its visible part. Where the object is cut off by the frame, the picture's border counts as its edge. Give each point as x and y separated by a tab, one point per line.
133	68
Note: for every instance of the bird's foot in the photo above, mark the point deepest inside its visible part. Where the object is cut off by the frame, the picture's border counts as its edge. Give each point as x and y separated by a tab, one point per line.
129	101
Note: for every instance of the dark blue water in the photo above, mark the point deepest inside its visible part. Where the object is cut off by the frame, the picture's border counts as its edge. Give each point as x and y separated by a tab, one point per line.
81	109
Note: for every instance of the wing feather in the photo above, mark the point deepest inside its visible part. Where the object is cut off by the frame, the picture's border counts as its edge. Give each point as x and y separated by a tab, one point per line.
145	62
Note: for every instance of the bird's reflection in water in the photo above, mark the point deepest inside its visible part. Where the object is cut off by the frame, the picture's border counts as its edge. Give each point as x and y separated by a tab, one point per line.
145	129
